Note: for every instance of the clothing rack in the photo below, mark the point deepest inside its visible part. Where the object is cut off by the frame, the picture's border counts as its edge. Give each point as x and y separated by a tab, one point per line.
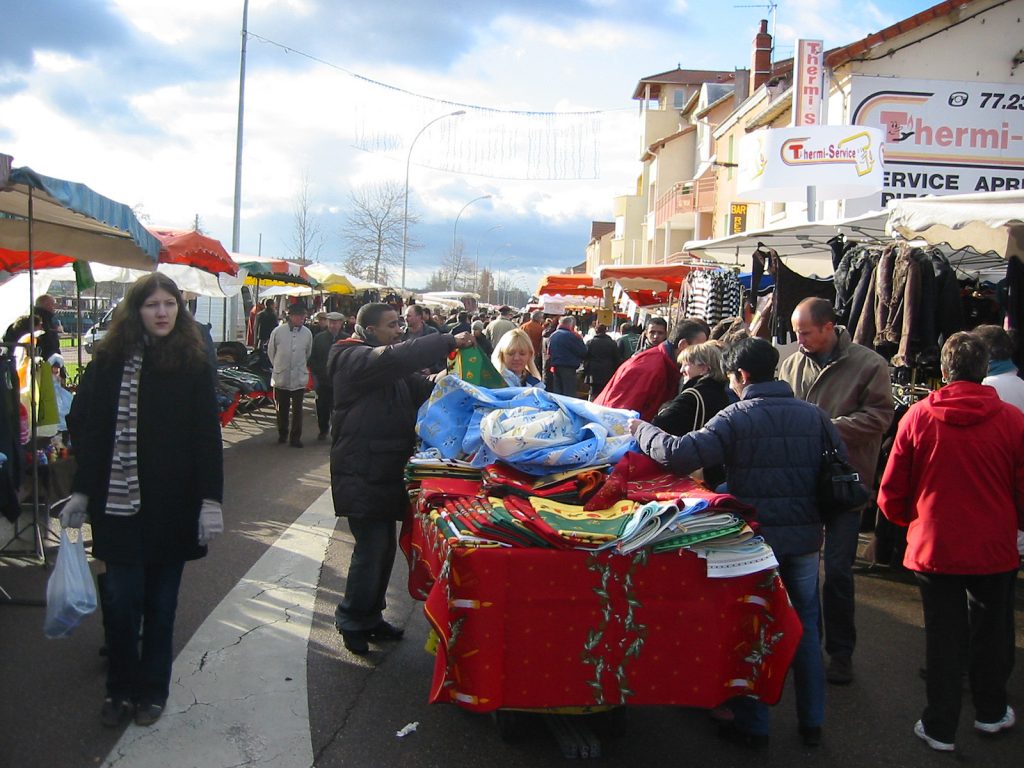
6	598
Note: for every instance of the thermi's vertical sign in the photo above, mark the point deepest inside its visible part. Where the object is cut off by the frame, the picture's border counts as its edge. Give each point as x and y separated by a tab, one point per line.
809	82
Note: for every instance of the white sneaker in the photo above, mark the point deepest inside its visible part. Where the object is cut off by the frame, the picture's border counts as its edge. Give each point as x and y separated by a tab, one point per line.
941	746
1004	724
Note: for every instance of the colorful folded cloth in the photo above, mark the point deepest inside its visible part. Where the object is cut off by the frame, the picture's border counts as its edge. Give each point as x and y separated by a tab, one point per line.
572	487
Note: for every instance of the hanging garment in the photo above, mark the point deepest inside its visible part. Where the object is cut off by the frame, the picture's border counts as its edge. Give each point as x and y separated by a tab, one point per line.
856	260
712	295
790	289
10	433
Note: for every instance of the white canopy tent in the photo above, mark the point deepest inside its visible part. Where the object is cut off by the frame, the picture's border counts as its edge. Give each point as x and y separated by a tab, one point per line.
14	292
803	247
988	223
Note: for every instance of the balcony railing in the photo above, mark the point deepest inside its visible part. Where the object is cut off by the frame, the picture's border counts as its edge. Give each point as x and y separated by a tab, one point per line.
685	197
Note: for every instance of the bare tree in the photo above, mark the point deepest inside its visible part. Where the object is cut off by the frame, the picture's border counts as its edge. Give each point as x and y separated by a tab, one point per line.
373	230
459	270
307	238
197	225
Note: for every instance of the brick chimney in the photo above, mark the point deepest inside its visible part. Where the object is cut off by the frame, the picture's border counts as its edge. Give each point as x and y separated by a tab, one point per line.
761	57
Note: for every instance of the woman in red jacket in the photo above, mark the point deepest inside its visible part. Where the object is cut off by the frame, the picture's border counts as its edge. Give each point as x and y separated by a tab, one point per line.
956	478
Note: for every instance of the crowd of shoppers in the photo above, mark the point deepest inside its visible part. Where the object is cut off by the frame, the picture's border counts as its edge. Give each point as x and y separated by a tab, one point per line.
725	410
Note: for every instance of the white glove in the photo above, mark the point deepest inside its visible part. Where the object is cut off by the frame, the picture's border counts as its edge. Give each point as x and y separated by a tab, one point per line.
73	513
211	521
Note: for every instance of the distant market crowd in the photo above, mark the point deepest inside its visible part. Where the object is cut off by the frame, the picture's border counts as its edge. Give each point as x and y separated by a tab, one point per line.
715	403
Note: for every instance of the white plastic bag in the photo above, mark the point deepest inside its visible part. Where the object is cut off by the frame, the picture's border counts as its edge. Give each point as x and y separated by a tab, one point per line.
70	592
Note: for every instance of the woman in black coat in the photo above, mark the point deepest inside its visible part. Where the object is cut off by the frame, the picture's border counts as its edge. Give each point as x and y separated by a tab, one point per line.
150	476
702	395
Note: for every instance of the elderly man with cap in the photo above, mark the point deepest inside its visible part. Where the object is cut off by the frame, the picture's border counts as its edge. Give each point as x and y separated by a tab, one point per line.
289	348
318	367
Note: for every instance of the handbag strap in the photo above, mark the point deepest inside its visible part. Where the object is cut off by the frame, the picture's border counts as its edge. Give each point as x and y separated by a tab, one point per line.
698	416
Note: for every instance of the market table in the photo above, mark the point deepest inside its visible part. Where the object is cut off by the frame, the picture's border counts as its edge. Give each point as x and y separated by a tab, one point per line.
527	628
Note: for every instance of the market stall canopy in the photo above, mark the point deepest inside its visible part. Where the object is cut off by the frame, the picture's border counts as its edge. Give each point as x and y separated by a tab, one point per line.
268	272
69	221
803	247
331	278
647	285
989	222
194	249
569	285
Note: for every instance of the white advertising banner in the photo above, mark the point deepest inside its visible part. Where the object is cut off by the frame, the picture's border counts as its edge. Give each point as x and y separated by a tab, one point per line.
839	161
942	137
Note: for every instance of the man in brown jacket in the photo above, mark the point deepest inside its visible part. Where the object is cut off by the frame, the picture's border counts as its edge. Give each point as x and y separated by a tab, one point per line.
851	384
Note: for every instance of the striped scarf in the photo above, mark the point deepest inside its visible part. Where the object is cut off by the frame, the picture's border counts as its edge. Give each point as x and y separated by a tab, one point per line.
123	497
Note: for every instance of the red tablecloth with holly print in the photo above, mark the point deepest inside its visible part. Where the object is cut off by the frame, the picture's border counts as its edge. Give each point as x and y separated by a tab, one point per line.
539	628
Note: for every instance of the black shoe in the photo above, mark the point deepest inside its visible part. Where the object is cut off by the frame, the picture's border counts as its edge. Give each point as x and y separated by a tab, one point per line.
731	733
810	735
116	713
295	443
281	439
385	632
356	640
840	670
147	713
322	436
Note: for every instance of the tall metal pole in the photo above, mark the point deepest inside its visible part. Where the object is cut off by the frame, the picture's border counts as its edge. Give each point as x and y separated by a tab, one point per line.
236	221
455	229
405	214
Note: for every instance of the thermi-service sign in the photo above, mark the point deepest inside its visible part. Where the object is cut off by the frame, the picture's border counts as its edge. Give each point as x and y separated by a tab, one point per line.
839	161
943	137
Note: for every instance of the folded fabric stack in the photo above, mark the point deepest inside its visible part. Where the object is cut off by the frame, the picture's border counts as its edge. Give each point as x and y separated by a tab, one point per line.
466	516
429	464
572	487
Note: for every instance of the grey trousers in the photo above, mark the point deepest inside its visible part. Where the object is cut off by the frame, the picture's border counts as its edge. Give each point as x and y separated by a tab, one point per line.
369	572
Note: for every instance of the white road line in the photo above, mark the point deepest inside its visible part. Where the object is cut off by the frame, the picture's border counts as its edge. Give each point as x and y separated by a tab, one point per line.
238	689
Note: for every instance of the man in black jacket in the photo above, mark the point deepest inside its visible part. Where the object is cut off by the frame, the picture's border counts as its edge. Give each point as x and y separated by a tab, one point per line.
377	392
318	367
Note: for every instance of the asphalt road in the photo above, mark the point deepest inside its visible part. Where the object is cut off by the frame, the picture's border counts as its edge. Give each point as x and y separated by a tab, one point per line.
53	689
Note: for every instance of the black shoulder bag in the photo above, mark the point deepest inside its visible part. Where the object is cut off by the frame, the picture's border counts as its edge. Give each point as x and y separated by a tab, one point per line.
839	485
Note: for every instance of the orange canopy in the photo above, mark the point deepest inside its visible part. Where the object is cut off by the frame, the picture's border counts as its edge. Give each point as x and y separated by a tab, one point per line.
568	285
194	250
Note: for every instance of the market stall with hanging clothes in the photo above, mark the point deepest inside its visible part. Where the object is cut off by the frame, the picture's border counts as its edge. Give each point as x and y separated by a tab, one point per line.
60	221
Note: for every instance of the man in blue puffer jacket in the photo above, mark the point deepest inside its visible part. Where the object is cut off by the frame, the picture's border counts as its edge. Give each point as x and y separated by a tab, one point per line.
771	445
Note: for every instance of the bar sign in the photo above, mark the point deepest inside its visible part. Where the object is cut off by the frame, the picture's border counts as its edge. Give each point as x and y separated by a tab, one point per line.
737	218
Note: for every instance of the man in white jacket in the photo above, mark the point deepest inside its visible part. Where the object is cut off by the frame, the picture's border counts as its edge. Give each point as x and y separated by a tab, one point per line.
288	349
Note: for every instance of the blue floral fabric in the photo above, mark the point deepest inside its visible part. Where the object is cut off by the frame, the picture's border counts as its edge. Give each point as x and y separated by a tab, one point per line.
533	430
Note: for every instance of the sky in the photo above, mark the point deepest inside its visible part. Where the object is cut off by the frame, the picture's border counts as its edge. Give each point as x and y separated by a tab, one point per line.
139	100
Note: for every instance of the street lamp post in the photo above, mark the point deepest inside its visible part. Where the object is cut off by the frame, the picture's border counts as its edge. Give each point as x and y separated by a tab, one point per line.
476	269
408	160
490	268
455	229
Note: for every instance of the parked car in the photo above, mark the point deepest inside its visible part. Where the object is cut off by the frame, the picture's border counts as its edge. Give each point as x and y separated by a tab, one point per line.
97	331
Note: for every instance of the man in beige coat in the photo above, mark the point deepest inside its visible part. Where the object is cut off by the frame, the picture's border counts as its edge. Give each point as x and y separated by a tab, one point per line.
851	384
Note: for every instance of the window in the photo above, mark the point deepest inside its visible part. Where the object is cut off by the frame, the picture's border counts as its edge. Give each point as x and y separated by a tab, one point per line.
678	98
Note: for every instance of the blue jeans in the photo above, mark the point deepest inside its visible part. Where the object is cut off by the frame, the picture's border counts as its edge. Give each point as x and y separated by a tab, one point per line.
140	597
800	576
841	536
